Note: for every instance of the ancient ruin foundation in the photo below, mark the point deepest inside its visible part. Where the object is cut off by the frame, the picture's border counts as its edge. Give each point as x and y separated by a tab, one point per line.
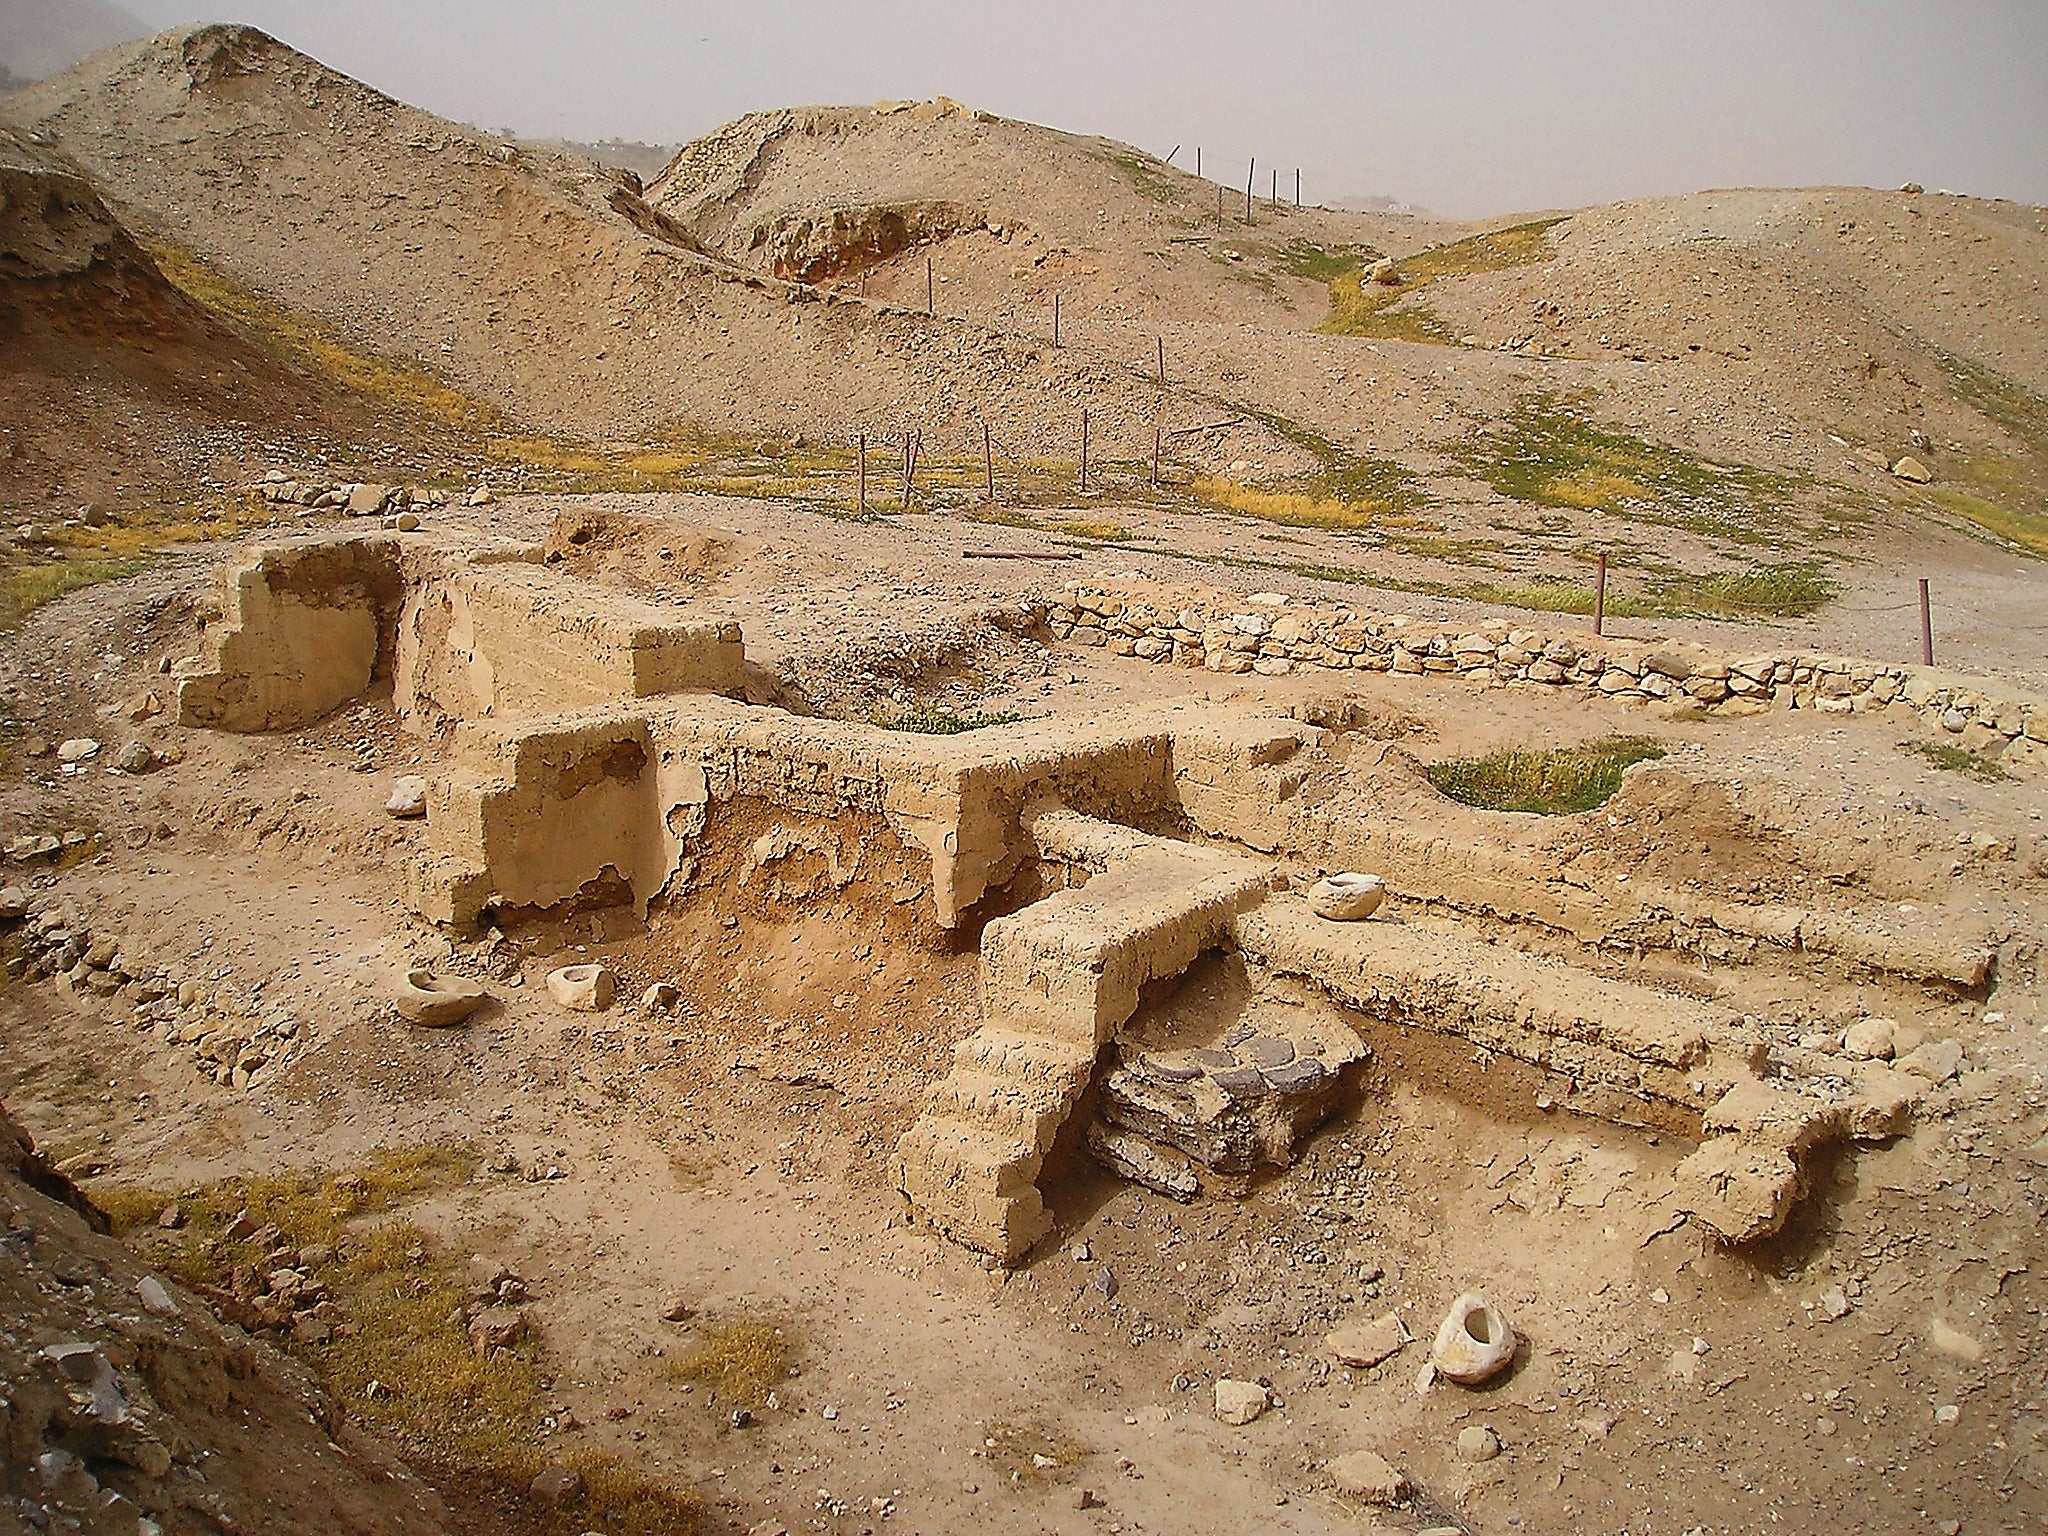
597	751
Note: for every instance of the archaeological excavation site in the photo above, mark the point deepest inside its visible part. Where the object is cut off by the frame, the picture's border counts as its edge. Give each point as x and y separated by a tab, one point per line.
667	870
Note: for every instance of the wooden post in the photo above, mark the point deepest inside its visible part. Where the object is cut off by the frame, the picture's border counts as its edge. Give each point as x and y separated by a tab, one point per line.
1249	171
1198	159
1926	627
1161	340
1297	186
1171	153
1276	188
909	469
1055	318
1219	210
1084	453
863	474
988	461
1600	596
1155	455
931	305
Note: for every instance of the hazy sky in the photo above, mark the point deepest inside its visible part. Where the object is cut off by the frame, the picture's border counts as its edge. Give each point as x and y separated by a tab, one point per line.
1473	108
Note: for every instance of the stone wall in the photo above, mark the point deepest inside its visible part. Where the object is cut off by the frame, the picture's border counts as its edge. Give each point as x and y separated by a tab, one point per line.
1271	635
461	632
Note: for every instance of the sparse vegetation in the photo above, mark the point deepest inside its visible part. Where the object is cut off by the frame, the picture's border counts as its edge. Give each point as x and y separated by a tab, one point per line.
1293	508
1098	528
1304	258
1345	491
2027	531
1361	307
1544	454
1151	176
400	1355
25	587
1555	783
929	720
740	1359
1789	591
1950	758
300	339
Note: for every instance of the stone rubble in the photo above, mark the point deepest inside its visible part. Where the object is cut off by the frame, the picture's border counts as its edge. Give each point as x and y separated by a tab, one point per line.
1987	716
349	498
233	1040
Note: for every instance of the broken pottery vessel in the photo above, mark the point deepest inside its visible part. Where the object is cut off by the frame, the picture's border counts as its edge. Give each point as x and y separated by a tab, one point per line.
435	1001
583	988
1475	1343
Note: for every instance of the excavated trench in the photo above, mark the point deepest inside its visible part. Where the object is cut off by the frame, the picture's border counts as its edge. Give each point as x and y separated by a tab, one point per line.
1080	933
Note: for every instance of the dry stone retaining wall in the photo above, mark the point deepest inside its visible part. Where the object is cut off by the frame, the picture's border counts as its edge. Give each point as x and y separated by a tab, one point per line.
1272	635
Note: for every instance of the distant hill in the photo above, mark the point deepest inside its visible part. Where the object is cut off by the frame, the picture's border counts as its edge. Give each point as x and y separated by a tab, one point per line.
41	37
646	161
1377	204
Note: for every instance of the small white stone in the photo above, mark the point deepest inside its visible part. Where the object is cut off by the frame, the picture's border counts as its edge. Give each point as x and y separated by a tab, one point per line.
408	797
1347	898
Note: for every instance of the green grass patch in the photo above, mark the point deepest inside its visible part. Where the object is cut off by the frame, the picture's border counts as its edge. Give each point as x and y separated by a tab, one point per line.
1361	307
2027	530
1555	783
927	720
1558	595
1789	591
1950	758
1302	257
1543	454
1149	175
25	586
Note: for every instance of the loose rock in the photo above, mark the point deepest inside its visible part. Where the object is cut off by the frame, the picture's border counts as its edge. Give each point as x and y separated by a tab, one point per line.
1869	1040
408	797
1347	898
1477	1443
1369	1476
1240	1402
1366	1344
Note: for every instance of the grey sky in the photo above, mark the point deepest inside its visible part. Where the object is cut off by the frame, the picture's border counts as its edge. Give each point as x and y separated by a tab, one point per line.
1473	108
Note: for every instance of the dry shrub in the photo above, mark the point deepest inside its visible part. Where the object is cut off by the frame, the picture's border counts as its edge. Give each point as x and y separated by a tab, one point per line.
740	1359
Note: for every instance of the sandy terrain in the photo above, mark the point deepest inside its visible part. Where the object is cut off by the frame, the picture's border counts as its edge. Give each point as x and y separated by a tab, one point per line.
224	260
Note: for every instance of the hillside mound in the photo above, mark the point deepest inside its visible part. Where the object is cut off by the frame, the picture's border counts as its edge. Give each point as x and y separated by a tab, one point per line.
1874	315
1009	211
537	282
125	1400
112	382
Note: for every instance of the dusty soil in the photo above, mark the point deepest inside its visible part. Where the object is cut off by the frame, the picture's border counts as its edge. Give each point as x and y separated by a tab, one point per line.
737	1154
732	1158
